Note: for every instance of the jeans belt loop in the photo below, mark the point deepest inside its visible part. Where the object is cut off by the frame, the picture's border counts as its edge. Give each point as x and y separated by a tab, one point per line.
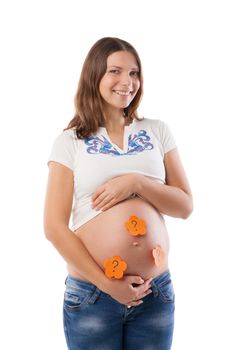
95	296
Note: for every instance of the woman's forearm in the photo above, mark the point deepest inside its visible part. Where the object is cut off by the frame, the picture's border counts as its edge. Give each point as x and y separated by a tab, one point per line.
168	200
75	254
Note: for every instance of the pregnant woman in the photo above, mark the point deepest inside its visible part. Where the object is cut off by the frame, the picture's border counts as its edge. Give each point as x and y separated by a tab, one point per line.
117	174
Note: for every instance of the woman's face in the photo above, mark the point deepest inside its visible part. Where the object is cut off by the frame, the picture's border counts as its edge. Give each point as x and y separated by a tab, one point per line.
120	82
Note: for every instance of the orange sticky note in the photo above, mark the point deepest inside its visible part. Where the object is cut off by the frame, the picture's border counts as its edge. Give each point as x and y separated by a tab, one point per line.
135	226
159	255
115	267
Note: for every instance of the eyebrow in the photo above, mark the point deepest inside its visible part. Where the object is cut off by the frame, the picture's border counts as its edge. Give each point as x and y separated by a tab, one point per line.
134	68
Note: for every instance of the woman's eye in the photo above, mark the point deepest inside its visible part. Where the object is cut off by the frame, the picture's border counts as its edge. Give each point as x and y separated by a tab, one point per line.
117	71
135	73
114	71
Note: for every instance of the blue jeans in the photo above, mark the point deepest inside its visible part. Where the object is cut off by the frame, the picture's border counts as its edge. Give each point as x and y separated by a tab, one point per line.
93	320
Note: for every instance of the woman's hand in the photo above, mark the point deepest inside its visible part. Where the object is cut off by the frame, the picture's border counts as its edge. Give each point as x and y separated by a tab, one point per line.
129	290
113	191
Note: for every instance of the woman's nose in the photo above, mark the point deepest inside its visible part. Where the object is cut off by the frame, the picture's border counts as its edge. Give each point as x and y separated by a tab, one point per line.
126	79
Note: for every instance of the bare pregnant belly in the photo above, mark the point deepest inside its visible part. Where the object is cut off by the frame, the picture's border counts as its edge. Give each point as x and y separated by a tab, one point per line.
106	236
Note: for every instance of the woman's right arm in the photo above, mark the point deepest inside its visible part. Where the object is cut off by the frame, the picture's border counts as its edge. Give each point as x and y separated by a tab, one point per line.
57	211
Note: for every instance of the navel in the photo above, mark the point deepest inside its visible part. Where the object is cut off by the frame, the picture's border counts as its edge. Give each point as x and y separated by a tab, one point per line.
135	244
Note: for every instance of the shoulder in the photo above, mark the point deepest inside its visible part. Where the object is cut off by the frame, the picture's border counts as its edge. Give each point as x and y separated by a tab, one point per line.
161	131
68	134
66	138
64	148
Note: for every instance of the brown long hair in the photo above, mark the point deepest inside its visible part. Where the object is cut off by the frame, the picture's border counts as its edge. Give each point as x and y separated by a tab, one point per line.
88	101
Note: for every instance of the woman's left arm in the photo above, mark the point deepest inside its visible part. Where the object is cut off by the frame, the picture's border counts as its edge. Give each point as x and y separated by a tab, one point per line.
173	198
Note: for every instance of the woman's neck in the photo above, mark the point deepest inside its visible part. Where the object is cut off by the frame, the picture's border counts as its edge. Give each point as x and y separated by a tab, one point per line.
114	120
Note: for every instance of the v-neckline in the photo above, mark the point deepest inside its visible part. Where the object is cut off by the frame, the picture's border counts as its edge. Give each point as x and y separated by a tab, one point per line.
125	137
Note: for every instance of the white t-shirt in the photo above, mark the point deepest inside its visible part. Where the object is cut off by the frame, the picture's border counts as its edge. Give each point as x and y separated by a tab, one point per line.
97	159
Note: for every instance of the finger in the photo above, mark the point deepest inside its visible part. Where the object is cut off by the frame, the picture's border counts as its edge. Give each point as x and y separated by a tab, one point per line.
142	289
139	297
114	201
134	279
98	191
149	280
147	283
149	291
134	303
109	205
139	301
102	201
100	197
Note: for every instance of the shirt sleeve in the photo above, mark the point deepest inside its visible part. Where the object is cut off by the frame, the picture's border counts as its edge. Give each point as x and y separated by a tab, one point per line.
163	133
63	150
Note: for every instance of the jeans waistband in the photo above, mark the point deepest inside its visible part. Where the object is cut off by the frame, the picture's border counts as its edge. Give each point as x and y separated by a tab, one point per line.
77	284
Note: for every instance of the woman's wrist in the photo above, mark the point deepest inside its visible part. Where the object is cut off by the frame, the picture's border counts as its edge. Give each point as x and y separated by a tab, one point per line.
137	183
104	284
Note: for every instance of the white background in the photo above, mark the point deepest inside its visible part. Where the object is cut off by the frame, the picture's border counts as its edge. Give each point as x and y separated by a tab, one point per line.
186	51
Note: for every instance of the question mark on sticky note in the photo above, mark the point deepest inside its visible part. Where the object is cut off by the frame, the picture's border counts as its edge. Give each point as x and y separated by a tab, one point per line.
116	264
135	224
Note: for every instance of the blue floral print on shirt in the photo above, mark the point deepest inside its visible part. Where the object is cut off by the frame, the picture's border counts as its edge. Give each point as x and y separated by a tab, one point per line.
138	142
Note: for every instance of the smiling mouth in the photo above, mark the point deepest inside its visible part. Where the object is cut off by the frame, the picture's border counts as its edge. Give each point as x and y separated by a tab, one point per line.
122	93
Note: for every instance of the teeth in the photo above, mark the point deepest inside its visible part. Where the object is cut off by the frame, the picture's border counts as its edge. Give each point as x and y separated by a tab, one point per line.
124	93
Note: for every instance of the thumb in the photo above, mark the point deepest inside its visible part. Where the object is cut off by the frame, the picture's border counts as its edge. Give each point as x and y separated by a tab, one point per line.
135	279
